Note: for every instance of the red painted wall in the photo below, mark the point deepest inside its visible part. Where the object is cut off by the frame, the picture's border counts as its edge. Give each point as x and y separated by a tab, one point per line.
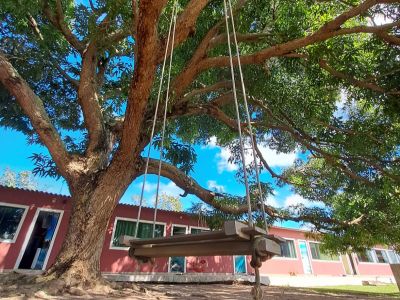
328	267
117	260
33	200
366	268
283	265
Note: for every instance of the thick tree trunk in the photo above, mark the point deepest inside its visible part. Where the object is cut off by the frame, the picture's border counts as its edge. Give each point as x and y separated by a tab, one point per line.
78	262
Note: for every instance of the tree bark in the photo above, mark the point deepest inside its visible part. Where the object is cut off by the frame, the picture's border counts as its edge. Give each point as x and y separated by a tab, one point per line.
93	203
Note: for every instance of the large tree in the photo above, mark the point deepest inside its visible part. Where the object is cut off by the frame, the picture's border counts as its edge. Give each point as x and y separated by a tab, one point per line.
81	78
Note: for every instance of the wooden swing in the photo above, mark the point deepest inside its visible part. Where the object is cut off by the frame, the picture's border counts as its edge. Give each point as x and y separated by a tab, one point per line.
235	238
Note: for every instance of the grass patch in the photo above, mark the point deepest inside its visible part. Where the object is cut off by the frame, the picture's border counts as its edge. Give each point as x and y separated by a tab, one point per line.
389	290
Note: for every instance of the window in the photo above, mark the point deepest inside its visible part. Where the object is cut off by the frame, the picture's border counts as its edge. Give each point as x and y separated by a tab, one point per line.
194	230
288	249
366	256
317	253
381	256
178	230
126	227
393	257
10	221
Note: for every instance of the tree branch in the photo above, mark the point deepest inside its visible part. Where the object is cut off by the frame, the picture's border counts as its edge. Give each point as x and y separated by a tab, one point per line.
36	30
88	99
190	186
58	21
331	29
389	38
226	84
269	169
355	82
185	78
241	37
33	107
322	34
142	80
333	160
365	84
186	23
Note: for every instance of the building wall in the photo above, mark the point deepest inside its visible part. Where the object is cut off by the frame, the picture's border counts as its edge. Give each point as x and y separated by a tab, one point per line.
117	260
114	260
9	252
371	268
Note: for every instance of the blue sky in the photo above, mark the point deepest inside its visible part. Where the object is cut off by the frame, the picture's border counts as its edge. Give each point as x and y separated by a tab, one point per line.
212	170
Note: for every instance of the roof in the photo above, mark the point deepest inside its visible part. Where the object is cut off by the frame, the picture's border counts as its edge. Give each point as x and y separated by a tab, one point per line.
68	197
34	191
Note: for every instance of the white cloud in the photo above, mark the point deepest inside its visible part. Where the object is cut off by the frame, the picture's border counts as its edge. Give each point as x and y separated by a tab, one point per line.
148	187
380	19
223	161
213	185
271	201
212	143
307	227
341	105
296	199
169	188
273	158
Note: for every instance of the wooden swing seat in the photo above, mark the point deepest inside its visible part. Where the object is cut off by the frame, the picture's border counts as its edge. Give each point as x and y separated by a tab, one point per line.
235	238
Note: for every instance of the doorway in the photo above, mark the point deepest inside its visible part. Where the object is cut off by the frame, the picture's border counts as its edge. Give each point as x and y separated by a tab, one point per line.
305	257
239	264
177	264
39	242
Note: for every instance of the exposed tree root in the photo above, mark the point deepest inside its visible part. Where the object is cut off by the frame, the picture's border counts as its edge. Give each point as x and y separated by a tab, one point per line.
45	286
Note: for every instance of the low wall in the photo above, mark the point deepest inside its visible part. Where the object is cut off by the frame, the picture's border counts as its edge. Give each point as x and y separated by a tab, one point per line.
321	280
182	278
275	280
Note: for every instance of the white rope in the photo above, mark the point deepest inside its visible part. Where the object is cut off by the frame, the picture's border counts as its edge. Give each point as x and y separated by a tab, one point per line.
246	182
252	138
164	120
154	125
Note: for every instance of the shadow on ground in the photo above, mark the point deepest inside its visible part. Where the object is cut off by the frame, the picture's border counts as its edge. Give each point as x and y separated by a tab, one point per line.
27	289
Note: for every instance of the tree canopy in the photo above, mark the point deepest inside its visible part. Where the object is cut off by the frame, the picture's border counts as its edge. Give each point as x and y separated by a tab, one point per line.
22	179
322	78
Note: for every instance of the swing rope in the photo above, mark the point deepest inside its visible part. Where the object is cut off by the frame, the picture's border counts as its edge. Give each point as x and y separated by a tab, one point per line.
248	118
242	154
173	21
172	27
256	261
165	119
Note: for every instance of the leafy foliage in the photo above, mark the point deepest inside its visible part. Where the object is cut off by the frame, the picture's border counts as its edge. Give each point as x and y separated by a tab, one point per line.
169	202
22	179
44	166
180	155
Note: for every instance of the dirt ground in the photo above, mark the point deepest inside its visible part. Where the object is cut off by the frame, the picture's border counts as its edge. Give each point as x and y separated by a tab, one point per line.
129	291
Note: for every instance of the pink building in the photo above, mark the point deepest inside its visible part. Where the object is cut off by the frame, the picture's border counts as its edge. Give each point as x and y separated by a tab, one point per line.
33	225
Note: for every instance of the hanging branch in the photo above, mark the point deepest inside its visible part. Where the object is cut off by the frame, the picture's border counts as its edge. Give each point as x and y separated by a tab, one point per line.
200	62
190	186
33	107
58	21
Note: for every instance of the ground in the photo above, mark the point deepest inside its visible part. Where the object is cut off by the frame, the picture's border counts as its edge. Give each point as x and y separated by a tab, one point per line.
23	287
